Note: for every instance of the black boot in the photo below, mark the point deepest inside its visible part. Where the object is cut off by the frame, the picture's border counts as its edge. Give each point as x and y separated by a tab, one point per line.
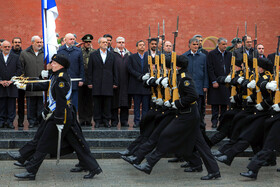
211	176
224	159
131	159
145	167
92	173
249	174
26	175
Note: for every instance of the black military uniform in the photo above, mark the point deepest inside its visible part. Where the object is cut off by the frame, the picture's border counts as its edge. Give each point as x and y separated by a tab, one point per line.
85	104
61	113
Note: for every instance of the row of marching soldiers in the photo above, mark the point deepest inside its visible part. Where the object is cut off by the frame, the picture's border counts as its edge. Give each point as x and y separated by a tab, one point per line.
172	123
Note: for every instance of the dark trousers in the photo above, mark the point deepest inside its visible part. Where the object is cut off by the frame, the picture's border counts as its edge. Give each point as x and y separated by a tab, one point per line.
201	109
7	109
74	99
85	104
216	110
138	99
34	109
102	108
203	151
20	101
238	147
123	115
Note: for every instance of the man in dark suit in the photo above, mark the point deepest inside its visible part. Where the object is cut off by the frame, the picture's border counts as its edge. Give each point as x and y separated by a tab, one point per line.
103	78
109	38
9	67
248	48
260	49
218	62
138	70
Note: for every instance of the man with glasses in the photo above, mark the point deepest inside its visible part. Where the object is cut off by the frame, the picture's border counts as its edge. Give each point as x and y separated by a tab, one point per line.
9	67
85	105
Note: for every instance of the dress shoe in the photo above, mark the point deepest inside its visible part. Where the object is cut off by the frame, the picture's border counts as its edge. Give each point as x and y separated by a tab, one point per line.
10	126
194	169
145	167
125	153
114	123
14	155
17	163
91	174
186	165
77	169
211	176
124	124
224	159
26	175
217	153
107	125
131	159
176	160
249	174
97	125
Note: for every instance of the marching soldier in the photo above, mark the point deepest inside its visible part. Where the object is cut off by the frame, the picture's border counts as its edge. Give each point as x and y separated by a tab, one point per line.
85	104
60	117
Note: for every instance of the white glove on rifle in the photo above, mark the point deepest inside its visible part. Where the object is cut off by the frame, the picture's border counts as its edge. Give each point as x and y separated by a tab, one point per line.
276	107
272	85
228	79
259	107
173	105
158	80
249	99
232	99
59	127
154	99
167	104
164	82
240	80
19	85
159	102
251	84
146	76
44	74
148	80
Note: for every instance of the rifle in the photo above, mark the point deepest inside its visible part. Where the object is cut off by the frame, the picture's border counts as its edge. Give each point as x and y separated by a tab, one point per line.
233	88
276	74
245	60
150	62
175	93
255	67
159	95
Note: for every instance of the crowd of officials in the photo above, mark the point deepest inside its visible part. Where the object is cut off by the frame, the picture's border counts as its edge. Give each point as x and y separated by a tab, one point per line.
110	77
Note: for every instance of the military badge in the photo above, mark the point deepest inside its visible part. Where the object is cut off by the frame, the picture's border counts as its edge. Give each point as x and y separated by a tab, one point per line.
61	84
186	83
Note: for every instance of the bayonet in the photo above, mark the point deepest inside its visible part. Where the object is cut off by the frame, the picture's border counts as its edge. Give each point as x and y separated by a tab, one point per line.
245	28
237	32
176	33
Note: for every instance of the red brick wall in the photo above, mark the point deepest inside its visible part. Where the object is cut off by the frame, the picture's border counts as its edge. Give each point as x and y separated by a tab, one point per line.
130	18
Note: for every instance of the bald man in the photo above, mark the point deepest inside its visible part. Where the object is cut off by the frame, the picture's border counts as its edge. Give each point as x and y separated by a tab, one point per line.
76	70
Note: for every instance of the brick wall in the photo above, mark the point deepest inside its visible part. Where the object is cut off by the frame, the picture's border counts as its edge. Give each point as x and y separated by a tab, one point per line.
130	18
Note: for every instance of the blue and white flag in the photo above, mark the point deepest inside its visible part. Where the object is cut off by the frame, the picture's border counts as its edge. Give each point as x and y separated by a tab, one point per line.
49	15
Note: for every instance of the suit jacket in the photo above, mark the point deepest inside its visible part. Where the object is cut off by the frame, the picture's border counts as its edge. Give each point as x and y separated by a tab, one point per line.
271	57
102	76
135	85
220	95
13	68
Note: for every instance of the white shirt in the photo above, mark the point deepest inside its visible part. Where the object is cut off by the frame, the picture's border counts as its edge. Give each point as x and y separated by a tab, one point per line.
193	53
153	54
103	55
123	51
6	57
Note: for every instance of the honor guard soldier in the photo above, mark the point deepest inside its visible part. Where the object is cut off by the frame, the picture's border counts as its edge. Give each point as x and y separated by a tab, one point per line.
85	106
61	124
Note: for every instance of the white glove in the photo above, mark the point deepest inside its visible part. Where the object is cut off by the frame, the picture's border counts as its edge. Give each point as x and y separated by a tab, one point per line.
59	127
251	84
148	80
158	80
167	104
159	102
13	79
276	107
154	99
259	107
146	76
173	105
228	79
19	85
45	74
249	99
240	80
164	82
272	85
232	99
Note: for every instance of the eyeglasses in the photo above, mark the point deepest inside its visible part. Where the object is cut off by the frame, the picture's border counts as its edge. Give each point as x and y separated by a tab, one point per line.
120	42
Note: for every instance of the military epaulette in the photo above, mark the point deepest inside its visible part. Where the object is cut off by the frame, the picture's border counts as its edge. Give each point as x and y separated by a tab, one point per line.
267	73
183	75
60	74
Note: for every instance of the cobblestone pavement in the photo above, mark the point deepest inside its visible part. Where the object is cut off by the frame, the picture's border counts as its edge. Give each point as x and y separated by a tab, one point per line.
116	172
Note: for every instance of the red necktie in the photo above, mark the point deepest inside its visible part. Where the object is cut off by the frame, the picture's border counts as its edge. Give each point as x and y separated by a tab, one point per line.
122	54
